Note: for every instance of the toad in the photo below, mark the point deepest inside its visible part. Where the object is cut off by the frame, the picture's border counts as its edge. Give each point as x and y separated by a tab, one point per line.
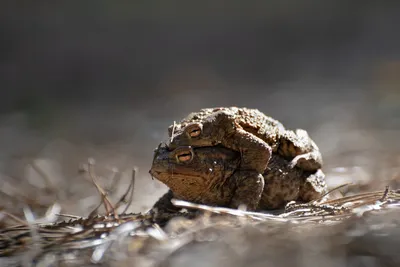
255	136
209	175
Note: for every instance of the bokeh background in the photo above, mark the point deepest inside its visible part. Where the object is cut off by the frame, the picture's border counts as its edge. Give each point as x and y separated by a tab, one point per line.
104	79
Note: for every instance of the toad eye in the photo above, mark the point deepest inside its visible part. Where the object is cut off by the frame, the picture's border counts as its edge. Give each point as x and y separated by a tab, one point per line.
194	130
195	133
184	156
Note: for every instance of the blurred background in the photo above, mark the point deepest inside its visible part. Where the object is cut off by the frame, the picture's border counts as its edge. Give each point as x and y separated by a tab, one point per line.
104	79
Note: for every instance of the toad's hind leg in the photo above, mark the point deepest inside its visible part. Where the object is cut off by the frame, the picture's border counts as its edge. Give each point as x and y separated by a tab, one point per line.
310	161
313	187
301	149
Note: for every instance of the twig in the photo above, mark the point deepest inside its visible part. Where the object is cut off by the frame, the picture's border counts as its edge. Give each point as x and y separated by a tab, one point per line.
333	189
94	212
107	203
172	132
68	216
385	194
114	180
15	218
130	189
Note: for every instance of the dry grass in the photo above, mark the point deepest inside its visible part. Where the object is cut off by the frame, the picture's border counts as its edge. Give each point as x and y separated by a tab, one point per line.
358	230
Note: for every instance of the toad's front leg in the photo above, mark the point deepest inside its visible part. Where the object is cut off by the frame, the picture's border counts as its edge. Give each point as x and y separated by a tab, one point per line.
164	204
249	188
255	153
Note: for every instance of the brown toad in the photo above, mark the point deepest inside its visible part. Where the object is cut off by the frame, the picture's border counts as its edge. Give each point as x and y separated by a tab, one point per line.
253	134
208	175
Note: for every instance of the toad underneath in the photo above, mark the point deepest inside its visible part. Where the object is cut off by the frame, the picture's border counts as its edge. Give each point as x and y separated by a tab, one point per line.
208	175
